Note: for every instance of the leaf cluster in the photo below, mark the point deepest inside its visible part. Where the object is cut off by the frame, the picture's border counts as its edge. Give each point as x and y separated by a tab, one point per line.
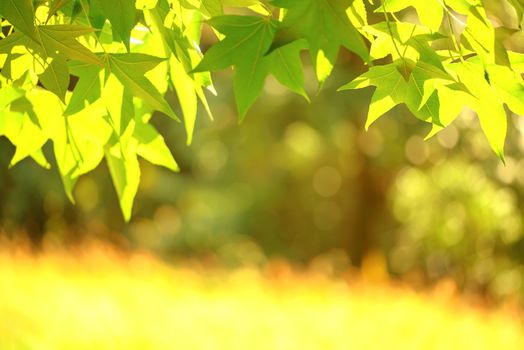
87	75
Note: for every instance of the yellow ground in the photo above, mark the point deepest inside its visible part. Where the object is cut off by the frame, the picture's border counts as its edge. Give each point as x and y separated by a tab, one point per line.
100	300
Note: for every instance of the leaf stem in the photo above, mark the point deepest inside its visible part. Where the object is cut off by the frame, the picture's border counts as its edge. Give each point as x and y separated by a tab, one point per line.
406	45
389	28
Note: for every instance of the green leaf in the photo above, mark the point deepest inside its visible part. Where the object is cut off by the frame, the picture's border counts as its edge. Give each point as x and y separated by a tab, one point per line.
185	88
109	110
400	35
452	101
202	80
55	6
247	40
248	83
158	15
63	42
136	63
424	52
152	147
460	6
125	172
240	3
519	8
13	40
122	15
423	83
9	94
29	140
87	89
481	36
21	128
20	14
493	121
55	78
41	159
509	86
16	66
391	89
357	14
283	36
212	8
11	124
146	4
516	60
182	43
130	69
326	26
67	31
487	104
78	140
430	12
119	103
286	66
413	84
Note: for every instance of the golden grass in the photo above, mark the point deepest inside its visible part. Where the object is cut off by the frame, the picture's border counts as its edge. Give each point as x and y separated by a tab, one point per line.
98	299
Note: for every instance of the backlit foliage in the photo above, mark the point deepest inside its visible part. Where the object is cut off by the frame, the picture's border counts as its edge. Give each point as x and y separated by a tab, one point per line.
87	75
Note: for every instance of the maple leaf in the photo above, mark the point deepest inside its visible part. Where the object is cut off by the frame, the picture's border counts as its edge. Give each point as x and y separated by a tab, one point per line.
130	68
247	39
122	16
430	12
403	81
326	26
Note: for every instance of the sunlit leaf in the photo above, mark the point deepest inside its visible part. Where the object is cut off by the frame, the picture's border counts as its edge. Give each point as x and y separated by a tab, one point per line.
509	85
286	66
119	103
247	40
122	15
130	69
187	96
455	54
87	90
20	14
55	78
403	82
430	12
152	147
64	43
326	27
55	6
125	172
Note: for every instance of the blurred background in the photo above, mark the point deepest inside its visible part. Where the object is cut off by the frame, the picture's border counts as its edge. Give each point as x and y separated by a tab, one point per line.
303	183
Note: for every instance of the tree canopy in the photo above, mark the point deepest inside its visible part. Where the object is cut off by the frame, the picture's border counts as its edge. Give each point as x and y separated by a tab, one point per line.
87	75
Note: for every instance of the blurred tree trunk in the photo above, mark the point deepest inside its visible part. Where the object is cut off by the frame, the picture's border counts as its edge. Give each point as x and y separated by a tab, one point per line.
370	217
